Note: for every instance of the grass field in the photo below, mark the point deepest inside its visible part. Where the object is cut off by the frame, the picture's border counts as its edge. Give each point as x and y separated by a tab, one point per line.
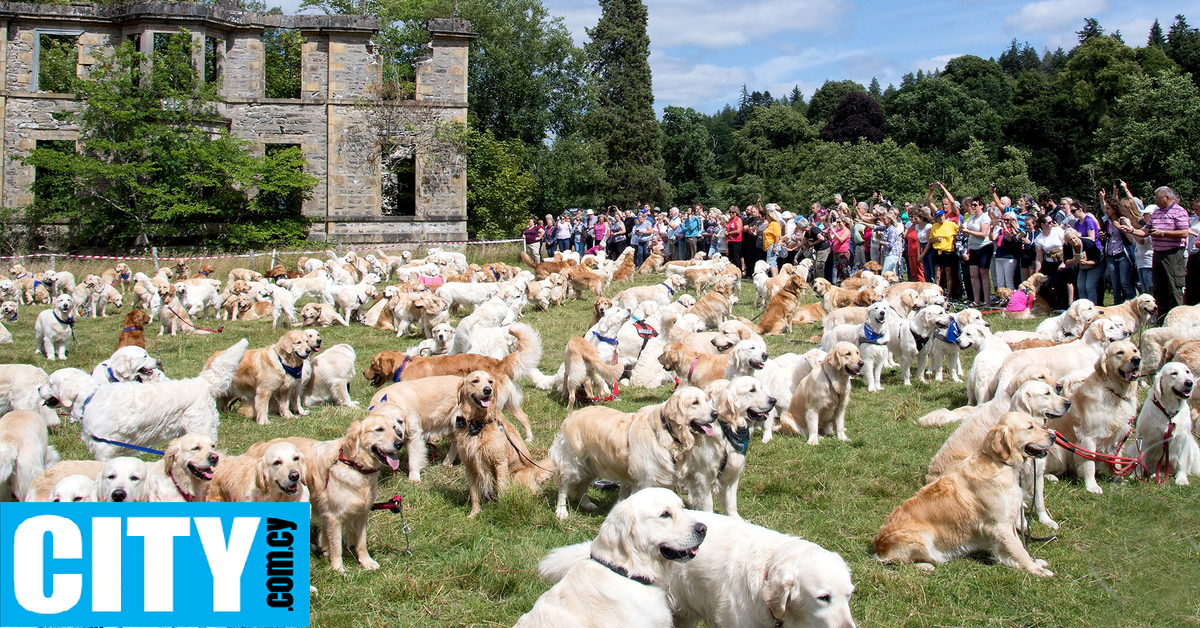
1129	558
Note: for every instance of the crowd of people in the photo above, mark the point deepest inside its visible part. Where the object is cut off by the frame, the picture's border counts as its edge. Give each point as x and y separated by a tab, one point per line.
977	248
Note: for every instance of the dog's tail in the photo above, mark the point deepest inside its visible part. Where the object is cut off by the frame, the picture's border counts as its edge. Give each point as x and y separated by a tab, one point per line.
528	353
938	417
528	260
8	462
558	562
219	374
545	382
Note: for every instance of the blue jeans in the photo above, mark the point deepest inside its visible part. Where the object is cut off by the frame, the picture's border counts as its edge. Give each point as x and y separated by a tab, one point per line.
927	264
1146	277
1088	284
1120	274
579	246
891	263
642	247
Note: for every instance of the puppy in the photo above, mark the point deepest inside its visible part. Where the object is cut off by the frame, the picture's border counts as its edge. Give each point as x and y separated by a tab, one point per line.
974	507
273	374
821	398
492	451
342	476
745	576
25	452
54	328
1164	426
640	543
275	476
637	450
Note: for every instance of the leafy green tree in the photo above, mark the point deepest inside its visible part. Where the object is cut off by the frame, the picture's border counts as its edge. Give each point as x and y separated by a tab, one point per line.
825	100
57	59
151	163
937	114
1183	46
823	169
771	132
978	169
1046	124
857	117
1097	73
874	90
1019	59
623	117
687	154
568	173
721	126
981	78
1154	139
498	204
282	58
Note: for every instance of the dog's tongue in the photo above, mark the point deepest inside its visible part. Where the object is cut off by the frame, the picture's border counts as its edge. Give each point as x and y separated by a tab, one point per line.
707	428
207	473
485	402
393	461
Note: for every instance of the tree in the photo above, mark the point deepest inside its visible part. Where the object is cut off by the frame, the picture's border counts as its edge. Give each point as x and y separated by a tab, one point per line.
981	78
567	172
825	100
1154	139
281	57
623	118
857	116
498	204
1183	46
1091	28
687	154
874	90
1156	38
1019	59
151	164
978	169
937	114
1097	73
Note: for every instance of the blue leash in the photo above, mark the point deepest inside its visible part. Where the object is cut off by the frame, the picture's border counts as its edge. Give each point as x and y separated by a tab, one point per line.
128	446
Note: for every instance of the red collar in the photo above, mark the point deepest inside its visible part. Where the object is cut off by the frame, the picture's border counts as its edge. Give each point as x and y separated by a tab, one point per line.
354	465
693	368
187	497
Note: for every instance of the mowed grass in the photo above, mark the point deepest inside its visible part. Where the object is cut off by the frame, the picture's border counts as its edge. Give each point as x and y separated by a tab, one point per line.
1128	558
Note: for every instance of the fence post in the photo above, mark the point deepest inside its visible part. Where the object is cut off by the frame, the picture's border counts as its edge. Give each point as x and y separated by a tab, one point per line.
52	256
272	260
253	263
154	253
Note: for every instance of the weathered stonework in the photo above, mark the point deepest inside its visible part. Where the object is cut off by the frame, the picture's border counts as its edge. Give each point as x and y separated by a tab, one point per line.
339	70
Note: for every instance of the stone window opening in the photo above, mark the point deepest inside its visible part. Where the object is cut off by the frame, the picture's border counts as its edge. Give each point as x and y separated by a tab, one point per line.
213	49
399	184
284	205
47	184
56	59
173	55
282	60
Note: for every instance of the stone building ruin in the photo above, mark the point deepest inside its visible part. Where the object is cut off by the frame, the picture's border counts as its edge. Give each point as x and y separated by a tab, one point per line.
340	70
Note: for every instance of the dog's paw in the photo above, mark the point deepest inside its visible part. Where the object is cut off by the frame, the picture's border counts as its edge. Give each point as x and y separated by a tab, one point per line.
302	412
368	563
1050	477
1048	522
1041	571
842	437
1094	489
415	478
924	566
1181	480
814	439
561	513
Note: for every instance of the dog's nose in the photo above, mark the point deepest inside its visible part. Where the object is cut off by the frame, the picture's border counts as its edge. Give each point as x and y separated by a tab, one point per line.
397	444
771	401
213	459
487	390
765	357
700	529
860	364
714	414
294	476
119	495
1136	361
1066	405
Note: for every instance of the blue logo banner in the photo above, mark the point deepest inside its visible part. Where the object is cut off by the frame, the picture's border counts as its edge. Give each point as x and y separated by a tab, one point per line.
160	564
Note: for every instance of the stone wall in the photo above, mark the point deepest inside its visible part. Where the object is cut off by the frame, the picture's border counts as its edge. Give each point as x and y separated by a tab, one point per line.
340	70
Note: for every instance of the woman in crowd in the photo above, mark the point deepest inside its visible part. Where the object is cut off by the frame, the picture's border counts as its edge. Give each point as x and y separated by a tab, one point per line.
916	237
840	237
693	224
945	260
1009	243
733	237
532	236
563	231
1049	243
618	235
1082	256
599	236
1117	245
887	234
770	236
978	228
643	236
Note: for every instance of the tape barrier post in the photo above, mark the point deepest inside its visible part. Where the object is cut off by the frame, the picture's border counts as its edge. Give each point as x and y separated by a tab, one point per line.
273	251
154	252
52	262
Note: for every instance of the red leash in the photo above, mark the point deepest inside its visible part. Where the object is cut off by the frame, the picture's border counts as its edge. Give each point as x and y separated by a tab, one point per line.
616	391
189	323
1124	466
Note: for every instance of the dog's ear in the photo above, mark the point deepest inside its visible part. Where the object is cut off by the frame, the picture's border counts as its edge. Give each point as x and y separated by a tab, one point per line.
777	589
999	442
353	439
262	479
1102	364
171	455
675	411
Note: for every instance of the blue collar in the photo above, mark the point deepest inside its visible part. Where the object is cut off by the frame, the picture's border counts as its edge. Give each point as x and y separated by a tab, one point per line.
400	370
612	341
112	377
294	371
952	332
125	276
24	275
37	282
871	335
200	272
669	288
87	401
69	322
739	439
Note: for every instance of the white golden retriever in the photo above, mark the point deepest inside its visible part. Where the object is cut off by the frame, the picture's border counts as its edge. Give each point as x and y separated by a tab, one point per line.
25	452
54	328
641	543
130	363
747	576
144	414
1166	411
327	376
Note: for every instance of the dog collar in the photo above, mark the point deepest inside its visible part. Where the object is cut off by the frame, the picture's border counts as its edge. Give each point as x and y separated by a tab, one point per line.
871	336
400	369
131	329
24	275
86	402
125	276
667	427
1158	404
187	497
739	438
623	572
294	371
692	368
112	377
69	322
200	272
605	339
354	465
918	338
669	288
952	332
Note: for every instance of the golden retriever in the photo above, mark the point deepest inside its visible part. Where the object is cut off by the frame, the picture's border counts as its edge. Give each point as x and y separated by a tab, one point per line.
640	543
273	374
322	314
425	409
1101	412
275	476
693	368
133	330
1164	426
777	318
545	269
25	452
821	397
625	265
493	454
582	366
715	307
121	479
582	278
1137	313
342	476
974	507
636	450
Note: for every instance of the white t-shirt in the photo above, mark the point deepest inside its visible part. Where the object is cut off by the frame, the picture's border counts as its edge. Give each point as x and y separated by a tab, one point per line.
923	233
1050	242
978	223
1144	254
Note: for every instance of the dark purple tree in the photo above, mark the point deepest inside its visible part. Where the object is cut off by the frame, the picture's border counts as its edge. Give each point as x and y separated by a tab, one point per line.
857	116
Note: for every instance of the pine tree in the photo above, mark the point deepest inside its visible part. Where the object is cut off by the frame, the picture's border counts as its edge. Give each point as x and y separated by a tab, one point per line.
796	100
1091	28
874	90
1156	39
623	119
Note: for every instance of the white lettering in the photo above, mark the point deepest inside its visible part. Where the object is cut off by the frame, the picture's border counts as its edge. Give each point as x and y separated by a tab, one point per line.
227	563
65	542
159	558
106	564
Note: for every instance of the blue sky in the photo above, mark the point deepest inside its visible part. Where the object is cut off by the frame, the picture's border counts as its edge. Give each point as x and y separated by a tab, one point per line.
703	51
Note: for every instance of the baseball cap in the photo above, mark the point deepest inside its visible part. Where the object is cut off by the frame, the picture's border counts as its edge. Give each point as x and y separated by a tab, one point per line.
904	216
591	213
788	215
939	213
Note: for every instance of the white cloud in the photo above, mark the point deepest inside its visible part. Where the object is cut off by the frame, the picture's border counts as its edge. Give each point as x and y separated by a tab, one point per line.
1053	15
781	68
934	63
1135	31
688	84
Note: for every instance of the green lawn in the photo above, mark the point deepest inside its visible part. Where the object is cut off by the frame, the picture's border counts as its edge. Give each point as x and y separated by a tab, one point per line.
1128	558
